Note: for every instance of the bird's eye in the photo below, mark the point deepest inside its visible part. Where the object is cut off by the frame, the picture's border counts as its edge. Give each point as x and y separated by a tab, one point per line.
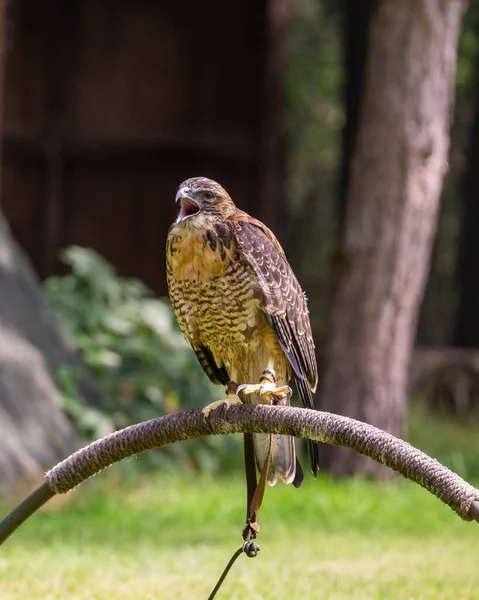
207	195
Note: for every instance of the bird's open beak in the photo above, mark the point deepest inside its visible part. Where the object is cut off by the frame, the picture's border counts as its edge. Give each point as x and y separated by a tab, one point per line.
189	207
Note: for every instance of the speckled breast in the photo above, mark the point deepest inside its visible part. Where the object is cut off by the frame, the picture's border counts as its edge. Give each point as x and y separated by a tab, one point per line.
213	292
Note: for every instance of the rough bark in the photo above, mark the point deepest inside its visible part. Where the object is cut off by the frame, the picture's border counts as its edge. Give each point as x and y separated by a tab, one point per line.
393	198
466	327
462	497
356	19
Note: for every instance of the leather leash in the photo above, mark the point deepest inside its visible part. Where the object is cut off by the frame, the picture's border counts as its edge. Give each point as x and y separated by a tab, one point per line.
251	529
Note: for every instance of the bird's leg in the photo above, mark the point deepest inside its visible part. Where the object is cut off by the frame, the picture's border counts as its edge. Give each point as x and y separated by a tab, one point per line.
230	400
269	392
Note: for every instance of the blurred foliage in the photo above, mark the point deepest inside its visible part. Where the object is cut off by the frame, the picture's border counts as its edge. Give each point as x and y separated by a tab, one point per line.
315	115
131	347
313	123
440	301
129	342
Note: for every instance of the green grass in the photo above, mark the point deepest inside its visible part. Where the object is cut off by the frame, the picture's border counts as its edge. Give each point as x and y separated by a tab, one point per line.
157	535
453	441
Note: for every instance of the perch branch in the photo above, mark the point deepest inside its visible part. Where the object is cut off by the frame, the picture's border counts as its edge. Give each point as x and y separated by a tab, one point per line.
314	425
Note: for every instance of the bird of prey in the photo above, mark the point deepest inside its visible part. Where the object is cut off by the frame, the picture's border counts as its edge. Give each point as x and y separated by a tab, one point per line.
242	309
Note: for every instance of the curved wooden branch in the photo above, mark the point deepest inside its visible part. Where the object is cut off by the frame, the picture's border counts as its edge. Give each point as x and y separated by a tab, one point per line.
310	424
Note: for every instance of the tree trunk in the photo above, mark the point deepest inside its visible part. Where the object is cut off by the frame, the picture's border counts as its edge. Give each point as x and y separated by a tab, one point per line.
396	179
466	327
356	19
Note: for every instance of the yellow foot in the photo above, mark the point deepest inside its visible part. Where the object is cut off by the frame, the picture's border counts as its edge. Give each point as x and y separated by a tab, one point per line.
227	402
269	392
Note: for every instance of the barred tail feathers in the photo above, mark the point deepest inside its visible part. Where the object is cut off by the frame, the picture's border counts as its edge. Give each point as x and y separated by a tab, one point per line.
283	457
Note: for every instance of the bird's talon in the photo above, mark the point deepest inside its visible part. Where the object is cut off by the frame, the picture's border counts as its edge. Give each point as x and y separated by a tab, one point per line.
247	388
227	403
266	389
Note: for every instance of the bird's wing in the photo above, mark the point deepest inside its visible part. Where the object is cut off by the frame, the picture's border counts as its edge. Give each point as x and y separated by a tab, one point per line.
283	300
215	373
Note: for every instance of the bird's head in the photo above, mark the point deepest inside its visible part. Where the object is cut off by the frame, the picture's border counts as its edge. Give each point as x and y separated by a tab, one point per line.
201	197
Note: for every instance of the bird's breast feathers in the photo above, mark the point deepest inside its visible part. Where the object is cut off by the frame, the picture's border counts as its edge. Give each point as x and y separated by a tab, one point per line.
213	293
194	252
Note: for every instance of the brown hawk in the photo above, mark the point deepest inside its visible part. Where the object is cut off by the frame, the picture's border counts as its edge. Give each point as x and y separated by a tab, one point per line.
240	306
